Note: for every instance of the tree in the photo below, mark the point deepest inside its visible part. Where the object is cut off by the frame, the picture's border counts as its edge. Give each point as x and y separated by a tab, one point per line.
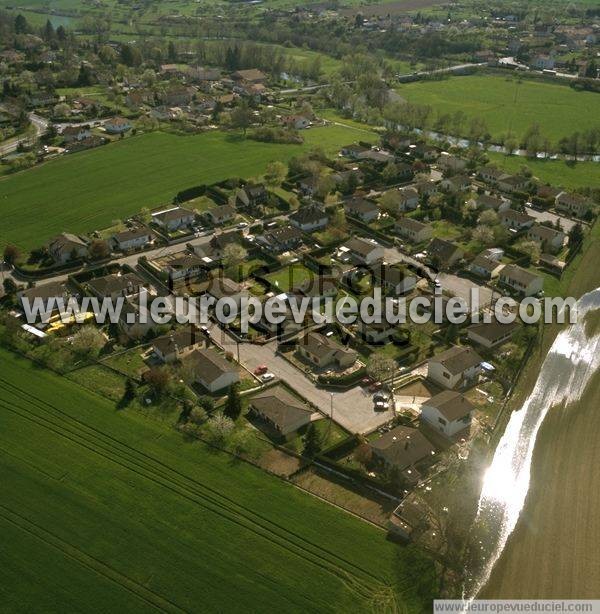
275	174
158	379
218	429
484	235
21	25
488	218
380	367
530	249
390	201
88	341
128	393
311	441
233	408
98	249
233	255
11	254
241	118
10	287
390	173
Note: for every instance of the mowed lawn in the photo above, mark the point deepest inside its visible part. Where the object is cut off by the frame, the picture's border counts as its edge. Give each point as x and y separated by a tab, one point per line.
509	105
86	191
555	172
105	509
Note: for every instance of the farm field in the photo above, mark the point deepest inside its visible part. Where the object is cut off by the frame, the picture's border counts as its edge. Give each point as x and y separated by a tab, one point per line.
100	506
507	104
86	191
555	172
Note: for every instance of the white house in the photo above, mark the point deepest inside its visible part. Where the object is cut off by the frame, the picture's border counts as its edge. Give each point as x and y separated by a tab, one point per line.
175	218
549	239
212	371
486	267
363	251
408	199
448	412
491	334
516	220
457	367
132	239
394	279
66	246
573	204
308	219
450	162
297	122
521	280
413	230
362	209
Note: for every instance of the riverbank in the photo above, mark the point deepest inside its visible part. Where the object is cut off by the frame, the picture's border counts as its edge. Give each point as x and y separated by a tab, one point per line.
552	551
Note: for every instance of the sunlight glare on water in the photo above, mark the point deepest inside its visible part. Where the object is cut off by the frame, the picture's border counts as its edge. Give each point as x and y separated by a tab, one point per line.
568	367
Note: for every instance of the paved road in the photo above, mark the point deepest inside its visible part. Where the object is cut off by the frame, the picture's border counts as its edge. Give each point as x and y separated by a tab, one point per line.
40	125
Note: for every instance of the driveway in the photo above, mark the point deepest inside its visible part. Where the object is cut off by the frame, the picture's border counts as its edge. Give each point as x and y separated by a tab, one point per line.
352	409
546	216
460	286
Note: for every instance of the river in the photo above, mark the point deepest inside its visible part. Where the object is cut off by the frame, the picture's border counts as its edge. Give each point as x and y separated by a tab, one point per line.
567	369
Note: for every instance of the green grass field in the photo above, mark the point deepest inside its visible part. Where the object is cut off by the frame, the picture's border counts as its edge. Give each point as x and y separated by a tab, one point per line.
509	105
555	172
86	191
104	509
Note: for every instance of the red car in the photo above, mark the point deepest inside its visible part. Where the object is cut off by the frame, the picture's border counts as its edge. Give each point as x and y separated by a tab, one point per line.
260	370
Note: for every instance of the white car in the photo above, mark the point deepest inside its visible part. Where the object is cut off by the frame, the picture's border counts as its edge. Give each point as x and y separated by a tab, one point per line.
267	377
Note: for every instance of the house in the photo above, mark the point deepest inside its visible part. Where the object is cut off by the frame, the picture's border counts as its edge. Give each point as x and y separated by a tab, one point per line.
178	96
117	125
75	133
45	291
376	332
426	188
181	266
317	286
132	239
485	267
225	288
490	174
573	204
449	162
408	199
67	247
135	319
443	254
354	151
448	412
404	172
215	249
512	183
361	208
251	196
402	449
324	351
115	285
549	239
413	230
352	175
489	202
174	219
295	122
457	183
308	186
280	411
543	62
516	220
178	344
211	370
309	218
548	192
394	279
221	214
424	151
492	334
521	280
282	238
362	251
251	75
457	367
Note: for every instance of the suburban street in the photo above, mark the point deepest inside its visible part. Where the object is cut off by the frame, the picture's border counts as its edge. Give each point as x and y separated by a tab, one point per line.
40	126
353	409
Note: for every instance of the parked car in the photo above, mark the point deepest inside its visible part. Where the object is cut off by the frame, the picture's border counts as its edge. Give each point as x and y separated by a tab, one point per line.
267	377
260	370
